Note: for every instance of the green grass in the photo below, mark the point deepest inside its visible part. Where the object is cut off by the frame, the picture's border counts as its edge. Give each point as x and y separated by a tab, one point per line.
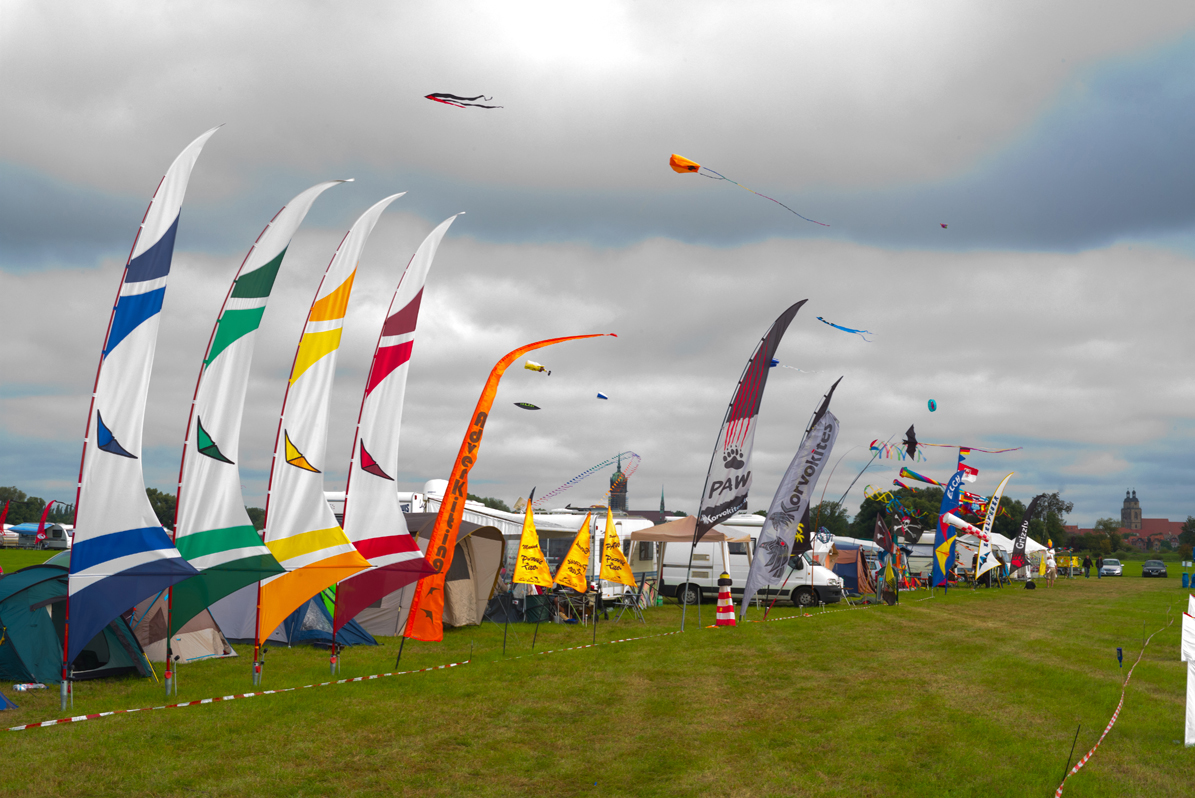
974	693
16	559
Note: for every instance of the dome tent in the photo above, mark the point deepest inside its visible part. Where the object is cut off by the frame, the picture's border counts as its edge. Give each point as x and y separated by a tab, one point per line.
32	611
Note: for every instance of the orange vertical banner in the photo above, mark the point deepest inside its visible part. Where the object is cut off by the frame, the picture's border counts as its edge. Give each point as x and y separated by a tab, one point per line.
426	619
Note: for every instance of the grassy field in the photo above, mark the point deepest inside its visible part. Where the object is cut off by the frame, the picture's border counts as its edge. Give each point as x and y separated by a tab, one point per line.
974	693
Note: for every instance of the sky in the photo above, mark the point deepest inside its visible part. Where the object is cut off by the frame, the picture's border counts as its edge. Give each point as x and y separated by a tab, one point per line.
1052	313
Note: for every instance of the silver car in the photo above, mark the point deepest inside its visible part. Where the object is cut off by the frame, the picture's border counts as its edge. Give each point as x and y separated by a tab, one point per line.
1111	568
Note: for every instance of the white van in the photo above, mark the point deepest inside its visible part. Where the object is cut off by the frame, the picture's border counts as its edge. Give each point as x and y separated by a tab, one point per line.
807	585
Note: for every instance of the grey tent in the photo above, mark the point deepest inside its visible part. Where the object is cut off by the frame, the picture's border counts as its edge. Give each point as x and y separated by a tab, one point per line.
468	585
32	613
200	637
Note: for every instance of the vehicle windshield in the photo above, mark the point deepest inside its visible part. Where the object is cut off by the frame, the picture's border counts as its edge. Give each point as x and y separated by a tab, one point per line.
1111	562
1153	562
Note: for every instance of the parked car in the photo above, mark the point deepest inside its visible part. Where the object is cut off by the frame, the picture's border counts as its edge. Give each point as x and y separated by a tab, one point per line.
1111	568
1154	568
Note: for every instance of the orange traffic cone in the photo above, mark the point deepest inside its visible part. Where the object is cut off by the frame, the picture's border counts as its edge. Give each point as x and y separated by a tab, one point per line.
725	614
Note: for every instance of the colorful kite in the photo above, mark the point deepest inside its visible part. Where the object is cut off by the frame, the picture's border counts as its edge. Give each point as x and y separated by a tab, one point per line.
526	406
460	102
633	463
684	166
861	333
932	405
892	450
531	365
602	395
943	227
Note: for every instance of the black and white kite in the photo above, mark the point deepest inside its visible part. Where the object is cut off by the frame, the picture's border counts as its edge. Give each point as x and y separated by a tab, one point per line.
461	102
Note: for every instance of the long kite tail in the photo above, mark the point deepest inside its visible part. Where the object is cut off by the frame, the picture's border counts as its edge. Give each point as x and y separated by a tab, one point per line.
756	193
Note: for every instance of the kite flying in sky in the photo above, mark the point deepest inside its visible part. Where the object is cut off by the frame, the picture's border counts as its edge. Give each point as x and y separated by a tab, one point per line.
602	395
861	333
531	365
910	441
932	405
684	166
526	405
461	102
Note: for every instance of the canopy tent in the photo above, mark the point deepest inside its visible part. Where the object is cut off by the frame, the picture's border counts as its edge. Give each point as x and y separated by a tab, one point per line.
32	612
199	638
681	531
468	586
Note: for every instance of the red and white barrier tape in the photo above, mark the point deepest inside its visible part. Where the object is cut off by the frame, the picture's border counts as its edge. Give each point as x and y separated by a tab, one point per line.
1115	715
79	718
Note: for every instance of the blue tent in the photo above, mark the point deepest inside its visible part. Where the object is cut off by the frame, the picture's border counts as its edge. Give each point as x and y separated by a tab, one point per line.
312	623
32	605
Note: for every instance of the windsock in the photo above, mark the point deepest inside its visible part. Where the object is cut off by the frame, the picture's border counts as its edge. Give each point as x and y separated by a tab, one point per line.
531	365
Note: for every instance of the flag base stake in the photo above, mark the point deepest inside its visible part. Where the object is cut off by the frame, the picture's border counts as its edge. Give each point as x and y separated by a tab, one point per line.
402	642
67	695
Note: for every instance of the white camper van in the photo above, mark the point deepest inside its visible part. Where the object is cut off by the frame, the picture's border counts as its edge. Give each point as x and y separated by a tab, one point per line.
807	583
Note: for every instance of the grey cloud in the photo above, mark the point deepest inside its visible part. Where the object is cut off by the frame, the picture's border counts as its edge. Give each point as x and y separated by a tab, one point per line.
1109	163
1048	351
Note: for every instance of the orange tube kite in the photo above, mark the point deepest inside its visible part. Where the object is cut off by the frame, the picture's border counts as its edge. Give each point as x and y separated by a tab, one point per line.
426	619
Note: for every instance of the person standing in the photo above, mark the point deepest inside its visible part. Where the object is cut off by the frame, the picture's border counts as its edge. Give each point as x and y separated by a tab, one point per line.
1087	566
1051	568
1099	566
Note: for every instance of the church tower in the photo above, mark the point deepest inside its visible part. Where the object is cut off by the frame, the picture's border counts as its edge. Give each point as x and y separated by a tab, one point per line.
618	489
1130	512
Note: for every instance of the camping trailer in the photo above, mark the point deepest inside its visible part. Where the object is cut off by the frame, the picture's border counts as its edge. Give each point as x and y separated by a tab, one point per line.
725	548
57	536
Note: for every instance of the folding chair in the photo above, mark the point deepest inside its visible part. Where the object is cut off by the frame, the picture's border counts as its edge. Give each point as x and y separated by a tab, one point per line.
630	601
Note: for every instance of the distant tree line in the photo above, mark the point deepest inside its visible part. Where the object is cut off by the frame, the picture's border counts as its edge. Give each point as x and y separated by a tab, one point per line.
493	504
28	509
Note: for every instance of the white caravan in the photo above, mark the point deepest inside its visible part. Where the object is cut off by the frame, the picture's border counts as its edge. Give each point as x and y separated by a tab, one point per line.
807	584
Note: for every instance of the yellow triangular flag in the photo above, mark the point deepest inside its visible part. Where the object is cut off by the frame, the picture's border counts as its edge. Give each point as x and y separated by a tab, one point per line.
614	565
572	571
530	566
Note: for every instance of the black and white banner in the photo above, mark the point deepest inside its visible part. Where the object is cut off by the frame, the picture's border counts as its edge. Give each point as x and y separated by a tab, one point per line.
789	506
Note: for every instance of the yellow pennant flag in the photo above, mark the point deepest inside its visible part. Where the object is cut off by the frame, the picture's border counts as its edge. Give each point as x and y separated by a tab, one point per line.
614	565
572	571
530	566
